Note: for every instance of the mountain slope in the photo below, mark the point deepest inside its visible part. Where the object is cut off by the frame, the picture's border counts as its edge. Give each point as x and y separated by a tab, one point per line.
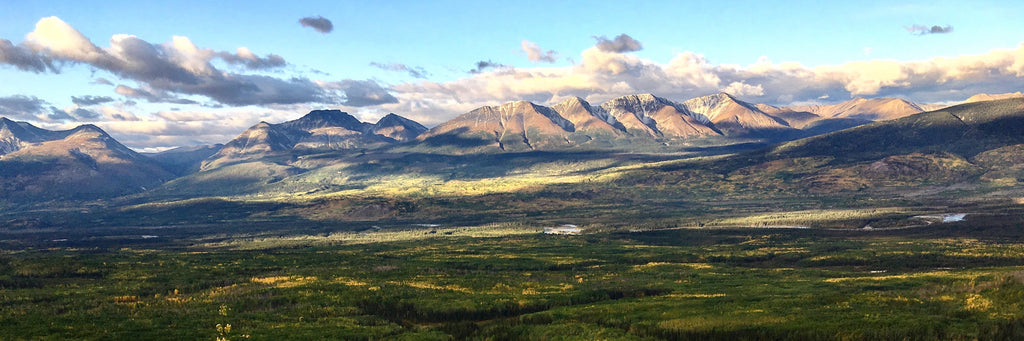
588	119
17	135
398	128
874	109
735	117
964	143
320	130
993	97
184	160
512	126
964	130
649	115
78	164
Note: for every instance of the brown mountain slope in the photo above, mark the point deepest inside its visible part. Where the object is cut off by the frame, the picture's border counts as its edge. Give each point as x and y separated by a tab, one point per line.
398	128
512	126
588	119
646	114
85	164
875	109
993	97
734	117
795	119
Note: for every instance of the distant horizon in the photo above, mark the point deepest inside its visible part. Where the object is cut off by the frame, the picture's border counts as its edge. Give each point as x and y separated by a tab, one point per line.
211	69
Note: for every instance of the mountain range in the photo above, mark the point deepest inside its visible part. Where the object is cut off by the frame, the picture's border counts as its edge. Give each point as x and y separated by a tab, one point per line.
86	163
81	163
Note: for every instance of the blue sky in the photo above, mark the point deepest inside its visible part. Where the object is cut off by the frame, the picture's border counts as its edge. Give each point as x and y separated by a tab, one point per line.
414	57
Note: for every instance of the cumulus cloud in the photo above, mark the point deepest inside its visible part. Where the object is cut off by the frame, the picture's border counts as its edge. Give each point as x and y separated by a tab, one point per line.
31	108
318	23
621	44
535	54
361	93
744	90
90	100
167	129
84	114
177	66
245	57
23	57
935	29
415	72
117	114
150	96
19	107
484	65
603	75
61	115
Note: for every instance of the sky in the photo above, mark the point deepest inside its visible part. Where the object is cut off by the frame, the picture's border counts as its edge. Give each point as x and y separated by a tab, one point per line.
161	74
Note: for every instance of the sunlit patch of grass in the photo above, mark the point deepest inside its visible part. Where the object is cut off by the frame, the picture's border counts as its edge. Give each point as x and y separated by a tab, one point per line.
698	323
426	285
351	282
809	217
652	266
283	281
931	274
370	237
678	295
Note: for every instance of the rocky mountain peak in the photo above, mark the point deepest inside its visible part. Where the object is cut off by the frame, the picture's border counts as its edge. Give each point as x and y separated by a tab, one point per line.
326	118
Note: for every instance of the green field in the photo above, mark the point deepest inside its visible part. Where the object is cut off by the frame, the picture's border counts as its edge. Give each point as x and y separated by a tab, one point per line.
962	280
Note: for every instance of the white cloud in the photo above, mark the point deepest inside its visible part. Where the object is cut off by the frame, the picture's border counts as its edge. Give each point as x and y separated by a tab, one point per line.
175	68
535	54
603	75
744	90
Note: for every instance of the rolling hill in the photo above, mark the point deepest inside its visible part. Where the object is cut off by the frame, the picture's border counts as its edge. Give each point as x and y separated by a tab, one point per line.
964	143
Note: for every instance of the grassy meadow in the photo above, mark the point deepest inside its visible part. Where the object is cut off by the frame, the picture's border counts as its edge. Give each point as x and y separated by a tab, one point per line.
961	281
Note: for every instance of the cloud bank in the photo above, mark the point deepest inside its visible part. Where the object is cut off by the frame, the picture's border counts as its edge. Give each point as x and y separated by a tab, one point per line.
607	71
176	67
